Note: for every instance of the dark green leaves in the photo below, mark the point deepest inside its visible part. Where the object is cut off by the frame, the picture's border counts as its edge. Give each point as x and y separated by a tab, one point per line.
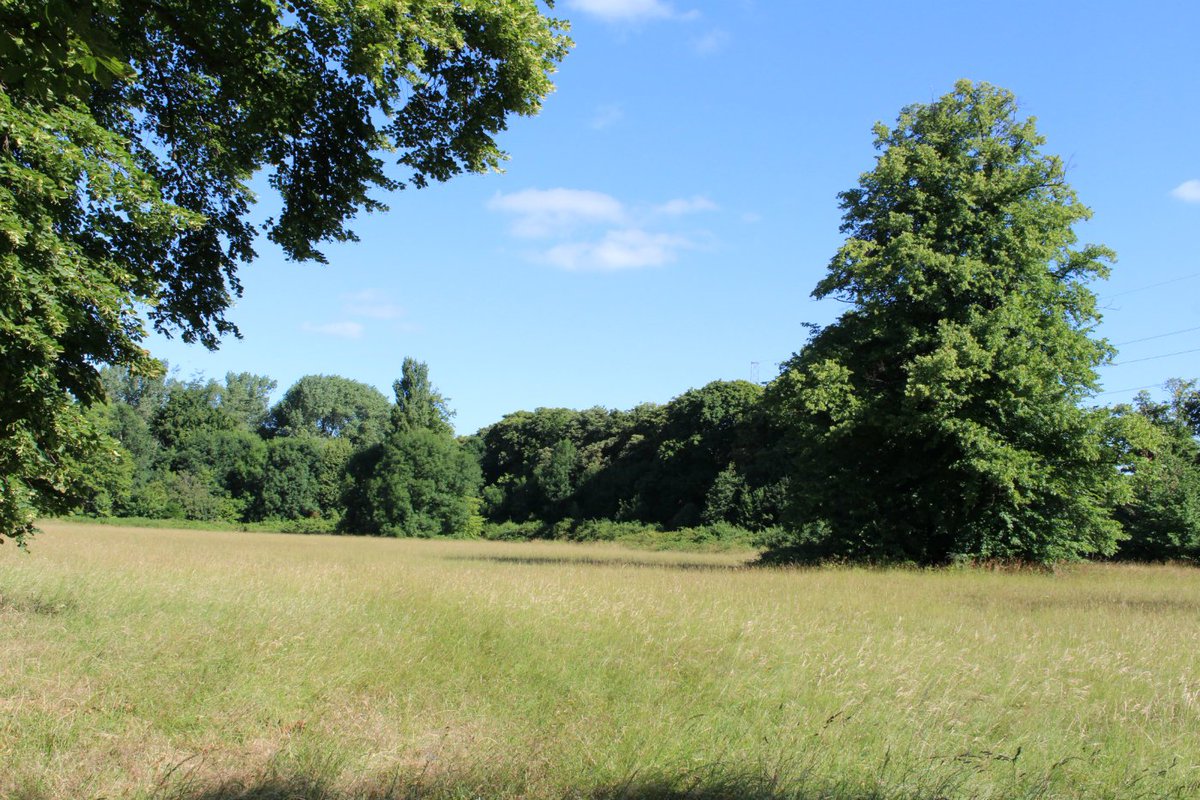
129	132
939	418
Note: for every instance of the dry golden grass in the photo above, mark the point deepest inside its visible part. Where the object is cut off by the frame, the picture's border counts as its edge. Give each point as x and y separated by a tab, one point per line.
200	665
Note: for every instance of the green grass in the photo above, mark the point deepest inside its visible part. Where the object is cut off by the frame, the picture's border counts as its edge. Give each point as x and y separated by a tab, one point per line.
720	537
267	526
217	665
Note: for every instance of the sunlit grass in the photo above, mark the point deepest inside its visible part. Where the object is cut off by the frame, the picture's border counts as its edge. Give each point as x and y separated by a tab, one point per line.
205	665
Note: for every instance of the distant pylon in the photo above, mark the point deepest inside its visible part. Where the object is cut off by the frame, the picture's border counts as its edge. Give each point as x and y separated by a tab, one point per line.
754	372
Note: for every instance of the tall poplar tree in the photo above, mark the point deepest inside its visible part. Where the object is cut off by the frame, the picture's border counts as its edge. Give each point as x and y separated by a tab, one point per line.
419	481
941	416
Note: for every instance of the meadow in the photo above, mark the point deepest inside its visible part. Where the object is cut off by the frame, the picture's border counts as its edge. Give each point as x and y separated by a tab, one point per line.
203	665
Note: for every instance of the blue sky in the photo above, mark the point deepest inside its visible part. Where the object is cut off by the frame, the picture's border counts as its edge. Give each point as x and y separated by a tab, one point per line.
661	224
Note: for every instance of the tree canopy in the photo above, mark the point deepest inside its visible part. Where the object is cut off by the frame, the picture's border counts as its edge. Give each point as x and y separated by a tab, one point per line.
1162	518
656	464
941	415
331	406
709	465
419	481
129	132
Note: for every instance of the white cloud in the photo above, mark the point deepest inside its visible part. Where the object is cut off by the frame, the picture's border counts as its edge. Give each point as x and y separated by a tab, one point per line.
606	116
712	42
541	213
587	230
686	205
344	330
629	248
1188	191
371	303
625	10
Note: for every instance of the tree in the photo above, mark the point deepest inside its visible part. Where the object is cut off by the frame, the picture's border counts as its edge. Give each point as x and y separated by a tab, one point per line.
291	485
247	398
107	475
554	478
129	132
132	404
419	405
140	394
419	481
525	462
704	430
234	460
940	416
1162	518
334	407
191	408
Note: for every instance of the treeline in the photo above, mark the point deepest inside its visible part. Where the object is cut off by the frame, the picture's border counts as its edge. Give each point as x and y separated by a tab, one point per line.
946	416
336	455
1160	516
333	454
708	457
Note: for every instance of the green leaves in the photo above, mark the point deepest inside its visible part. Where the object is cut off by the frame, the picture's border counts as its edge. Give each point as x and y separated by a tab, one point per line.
71	203
419	481
129	132
1161	463
331	406
939	418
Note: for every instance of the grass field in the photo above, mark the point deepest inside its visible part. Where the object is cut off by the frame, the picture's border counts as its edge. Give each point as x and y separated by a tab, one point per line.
214	665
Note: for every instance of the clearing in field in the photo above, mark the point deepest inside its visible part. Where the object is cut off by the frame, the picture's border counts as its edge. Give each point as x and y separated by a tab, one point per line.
201	666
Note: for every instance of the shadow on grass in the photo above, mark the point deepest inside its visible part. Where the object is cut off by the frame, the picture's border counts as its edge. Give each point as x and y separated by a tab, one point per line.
587	561
43	605
723	787
720	786
933	779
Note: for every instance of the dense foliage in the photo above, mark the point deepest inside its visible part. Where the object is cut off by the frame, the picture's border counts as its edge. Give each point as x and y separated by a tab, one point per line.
418	481
708	456
708	467
941	416
129	130
1162	519
331	454
334	455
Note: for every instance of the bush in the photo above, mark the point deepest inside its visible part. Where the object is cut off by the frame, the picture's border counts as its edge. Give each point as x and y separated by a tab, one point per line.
718	536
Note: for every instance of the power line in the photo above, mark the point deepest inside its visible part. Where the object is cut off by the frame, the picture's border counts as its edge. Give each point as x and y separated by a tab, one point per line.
1130	389
1150	286
1154	358
1157	336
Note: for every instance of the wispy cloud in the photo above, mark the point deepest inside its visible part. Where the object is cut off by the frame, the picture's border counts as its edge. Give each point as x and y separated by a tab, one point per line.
712	42
627	10
371	303
1188	191
686	205
542	213
595	231
343	330
630	248
606	116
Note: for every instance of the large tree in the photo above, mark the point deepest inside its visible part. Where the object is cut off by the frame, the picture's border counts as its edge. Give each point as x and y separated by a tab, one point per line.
941	416
130	129
419	481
